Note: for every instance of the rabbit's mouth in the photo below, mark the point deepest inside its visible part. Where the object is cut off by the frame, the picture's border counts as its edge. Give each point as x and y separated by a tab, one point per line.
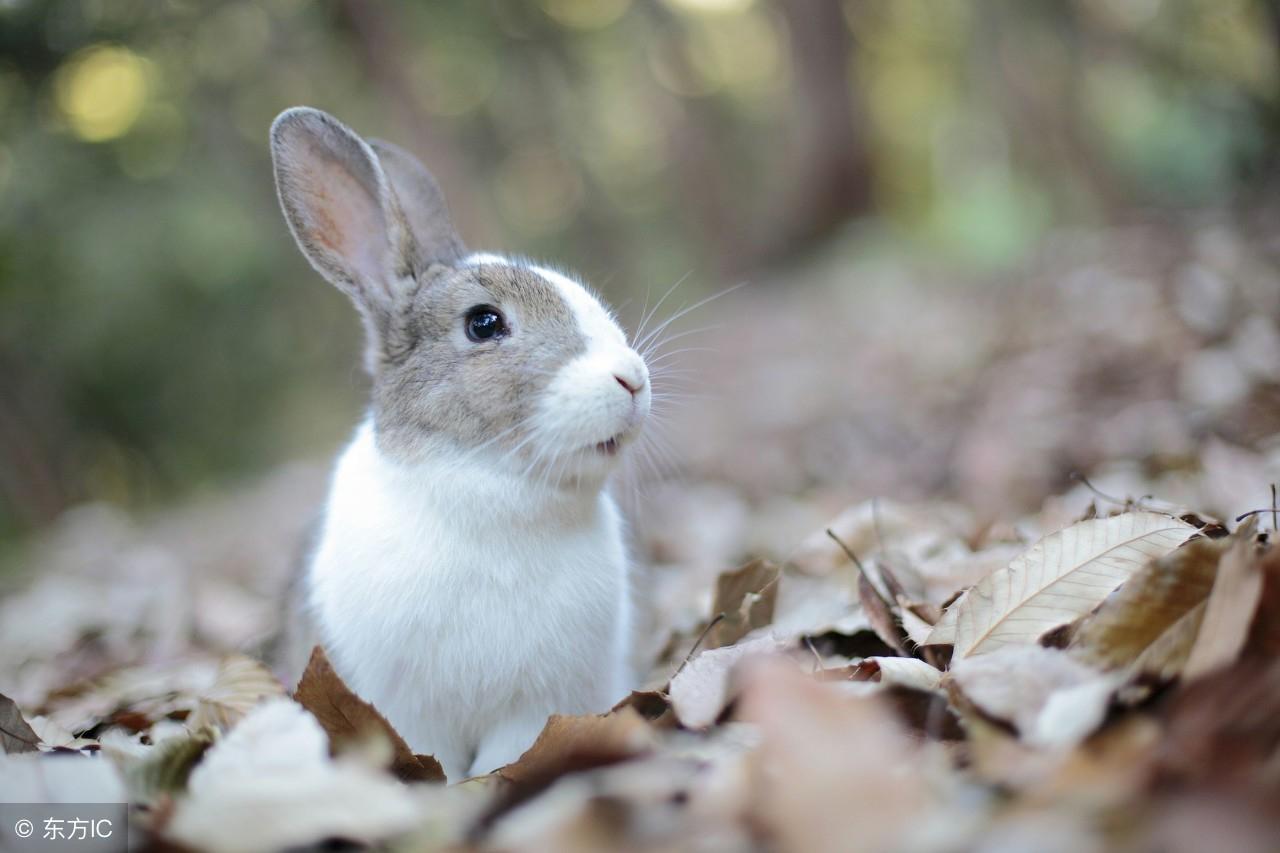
614	443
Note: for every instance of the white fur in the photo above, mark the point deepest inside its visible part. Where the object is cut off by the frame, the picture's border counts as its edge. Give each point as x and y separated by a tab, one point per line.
467	600
584	402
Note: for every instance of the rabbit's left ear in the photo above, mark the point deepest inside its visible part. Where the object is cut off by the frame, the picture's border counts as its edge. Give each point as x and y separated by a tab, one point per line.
342	211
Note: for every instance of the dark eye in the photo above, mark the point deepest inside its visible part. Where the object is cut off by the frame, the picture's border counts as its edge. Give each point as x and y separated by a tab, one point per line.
484	322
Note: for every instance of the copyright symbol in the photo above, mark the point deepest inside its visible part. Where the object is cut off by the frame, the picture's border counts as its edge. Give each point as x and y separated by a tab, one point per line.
23	828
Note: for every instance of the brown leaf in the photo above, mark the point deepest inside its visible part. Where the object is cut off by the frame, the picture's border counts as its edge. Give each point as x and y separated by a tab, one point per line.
15	735
346	717
569	743
879	611
653	705
746	597
1228	613
1264	636
1150	624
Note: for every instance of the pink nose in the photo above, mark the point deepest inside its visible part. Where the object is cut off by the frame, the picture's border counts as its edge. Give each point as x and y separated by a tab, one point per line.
632	388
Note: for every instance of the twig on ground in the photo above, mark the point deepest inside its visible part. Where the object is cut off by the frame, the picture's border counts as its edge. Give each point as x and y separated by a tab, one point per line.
707	630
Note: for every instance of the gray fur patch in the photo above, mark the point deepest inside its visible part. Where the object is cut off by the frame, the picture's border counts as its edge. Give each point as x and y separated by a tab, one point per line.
440	384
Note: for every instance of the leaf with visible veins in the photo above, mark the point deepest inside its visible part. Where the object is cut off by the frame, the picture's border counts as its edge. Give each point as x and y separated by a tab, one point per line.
1060	578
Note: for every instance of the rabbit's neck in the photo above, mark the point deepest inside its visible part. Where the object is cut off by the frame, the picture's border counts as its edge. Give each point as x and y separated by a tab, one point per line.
445	481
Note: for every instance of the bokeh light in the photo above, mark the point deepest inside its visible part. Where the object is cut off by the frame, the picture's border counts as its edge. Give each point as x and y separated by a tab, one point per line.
101	91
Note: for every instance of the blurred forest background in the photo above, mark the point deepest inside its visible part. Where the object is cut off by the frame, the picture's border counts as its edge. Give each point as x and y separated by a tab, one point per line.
160	334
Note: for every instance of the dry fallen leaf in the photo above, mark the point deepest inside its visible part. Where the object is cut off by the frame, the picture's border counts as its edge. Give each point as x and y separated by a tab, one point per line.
811	606
881	614
833	771
240	683
1061	577
15	735
270	785
162	769
907	672
1150	624
916	627
746	597
1051	698
570	743
347	718
652	705
700	691
1228	612
566	745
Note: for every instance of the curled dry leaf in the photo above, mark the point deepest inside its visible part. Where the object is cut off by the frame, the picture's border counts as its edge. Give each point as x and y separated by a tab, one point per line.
746	597
1149	625
1228	612
907	672
879	611
15	735
347	718
1062	577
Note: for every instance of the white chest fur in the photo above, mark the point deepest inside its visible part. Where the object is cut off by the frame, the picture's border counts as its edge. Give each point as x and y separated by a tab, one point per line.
466	607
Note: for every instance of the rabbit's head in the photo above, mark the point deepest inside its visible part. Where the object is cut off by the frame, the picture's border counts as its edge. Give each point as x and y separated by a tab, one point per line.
473	356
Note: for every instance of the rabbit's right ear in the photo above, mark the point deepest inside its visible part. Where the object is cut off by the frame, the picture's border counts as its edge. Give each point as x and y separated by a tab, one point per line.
434	238
341	209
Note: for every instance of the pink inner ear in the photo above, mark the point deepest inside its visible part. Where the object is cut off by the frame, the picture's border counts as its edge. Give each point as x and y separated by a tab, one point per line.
344	218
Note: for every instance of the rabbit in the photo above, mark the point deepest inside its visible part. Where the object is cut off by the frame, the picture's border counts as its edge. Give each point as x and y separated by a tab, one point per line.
469	575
